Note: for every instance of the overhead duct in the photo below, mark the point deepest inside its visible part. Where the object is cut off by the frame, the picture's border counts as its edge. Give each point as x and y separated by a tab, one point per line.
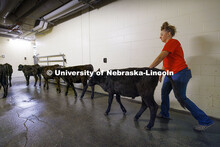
67	12
44	27
35	29
23	19
7	20
6	7
59	12
41	24
8	33
68	8
65	9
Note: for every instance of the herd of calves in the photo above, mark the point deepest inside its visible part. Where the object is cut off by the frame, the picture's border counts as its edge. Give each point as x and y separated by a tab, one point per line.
129	86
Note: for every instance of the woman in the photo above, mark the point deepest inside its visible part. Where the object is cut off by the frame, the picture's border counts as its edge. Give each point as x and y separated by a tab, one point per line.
173	60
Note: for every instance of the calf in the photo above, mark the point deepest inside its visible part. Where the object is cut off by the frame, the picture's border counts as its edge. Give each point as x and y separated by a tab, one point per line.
77	79
9	72
48	73
4	80
31	70
132	86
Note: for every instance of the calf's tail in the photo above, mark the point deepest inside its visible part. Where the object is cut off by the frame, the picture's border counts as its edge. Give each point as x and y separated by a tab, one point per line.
176	92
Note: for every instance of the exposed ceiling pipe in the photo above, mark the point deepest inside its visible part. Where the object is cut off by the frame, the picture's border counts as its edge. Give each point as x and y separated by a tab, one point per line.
62	11
44	27
30	35
66	12
8	36
35	29
7	32
81	3
25	34
59	11
6	7
41	24
55	14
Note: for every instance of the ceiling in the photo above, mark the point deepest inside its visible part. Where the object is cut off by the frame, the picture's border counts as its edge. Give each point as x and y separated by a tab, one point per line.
25	18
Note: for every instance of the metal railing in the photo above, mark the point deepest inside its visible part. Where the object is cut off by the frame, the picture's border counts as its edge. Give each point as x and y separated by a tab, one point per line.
52	59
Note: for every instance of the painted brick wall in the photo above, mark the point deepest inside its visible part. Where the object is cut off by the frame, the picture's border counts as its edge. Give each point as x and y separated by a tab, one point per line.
127	33
15	51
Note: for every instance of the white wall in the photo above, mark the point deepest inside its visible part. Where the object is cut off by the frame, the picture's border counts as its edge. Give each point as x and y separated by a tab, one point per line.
15	50
127	33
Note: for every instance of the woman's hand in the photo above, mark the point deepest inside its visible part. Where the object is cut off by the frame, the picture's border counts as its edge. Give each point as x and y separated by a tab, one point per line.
159	59
160	78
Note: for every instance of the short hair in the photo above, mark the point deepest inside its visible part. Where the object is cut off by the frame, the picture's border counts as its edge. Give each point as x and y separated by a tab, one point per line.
169	28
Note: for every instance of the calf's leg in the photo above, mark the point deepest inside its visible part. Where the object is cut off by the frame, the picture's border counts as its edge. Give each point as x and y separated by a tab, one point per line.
10	80
58	84
85	87
72	85
142	109
149	101
5	91
47	84
93	89
45	81
4	83
118	98
39	79
110	98
67	88
27	79
36	78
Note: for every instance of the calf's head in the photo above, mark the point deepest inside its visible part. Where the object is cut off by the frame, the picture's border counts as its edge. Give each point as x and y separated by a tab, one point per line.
20	67
96	78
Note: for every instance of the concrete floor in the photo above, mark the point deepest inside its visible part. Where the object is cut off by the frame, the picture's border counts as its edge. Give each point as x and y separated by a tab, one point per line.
33	116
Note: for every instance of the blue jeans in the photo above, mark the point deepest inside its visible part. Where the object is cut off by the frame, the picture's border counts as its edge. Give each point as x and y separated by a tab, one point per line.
181	80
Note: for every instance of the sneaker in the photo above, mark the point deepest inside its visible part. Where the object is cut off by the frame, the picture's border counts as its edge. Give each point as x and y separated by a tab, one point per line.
161	116
202	127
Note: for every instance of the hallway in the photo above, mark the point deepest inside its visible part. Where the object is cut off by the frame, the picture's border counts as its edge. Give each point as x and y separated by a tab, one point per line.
36	117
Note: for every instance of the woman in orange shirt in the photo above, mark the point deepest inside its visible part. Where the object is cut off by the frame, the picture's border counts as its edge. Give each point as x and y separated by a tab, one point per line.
173	60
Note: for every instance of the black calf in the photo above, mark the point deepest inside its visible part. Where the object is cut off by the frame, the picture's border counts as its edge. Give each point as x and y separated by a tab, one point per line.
70	80
132	86
9	72
4	80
